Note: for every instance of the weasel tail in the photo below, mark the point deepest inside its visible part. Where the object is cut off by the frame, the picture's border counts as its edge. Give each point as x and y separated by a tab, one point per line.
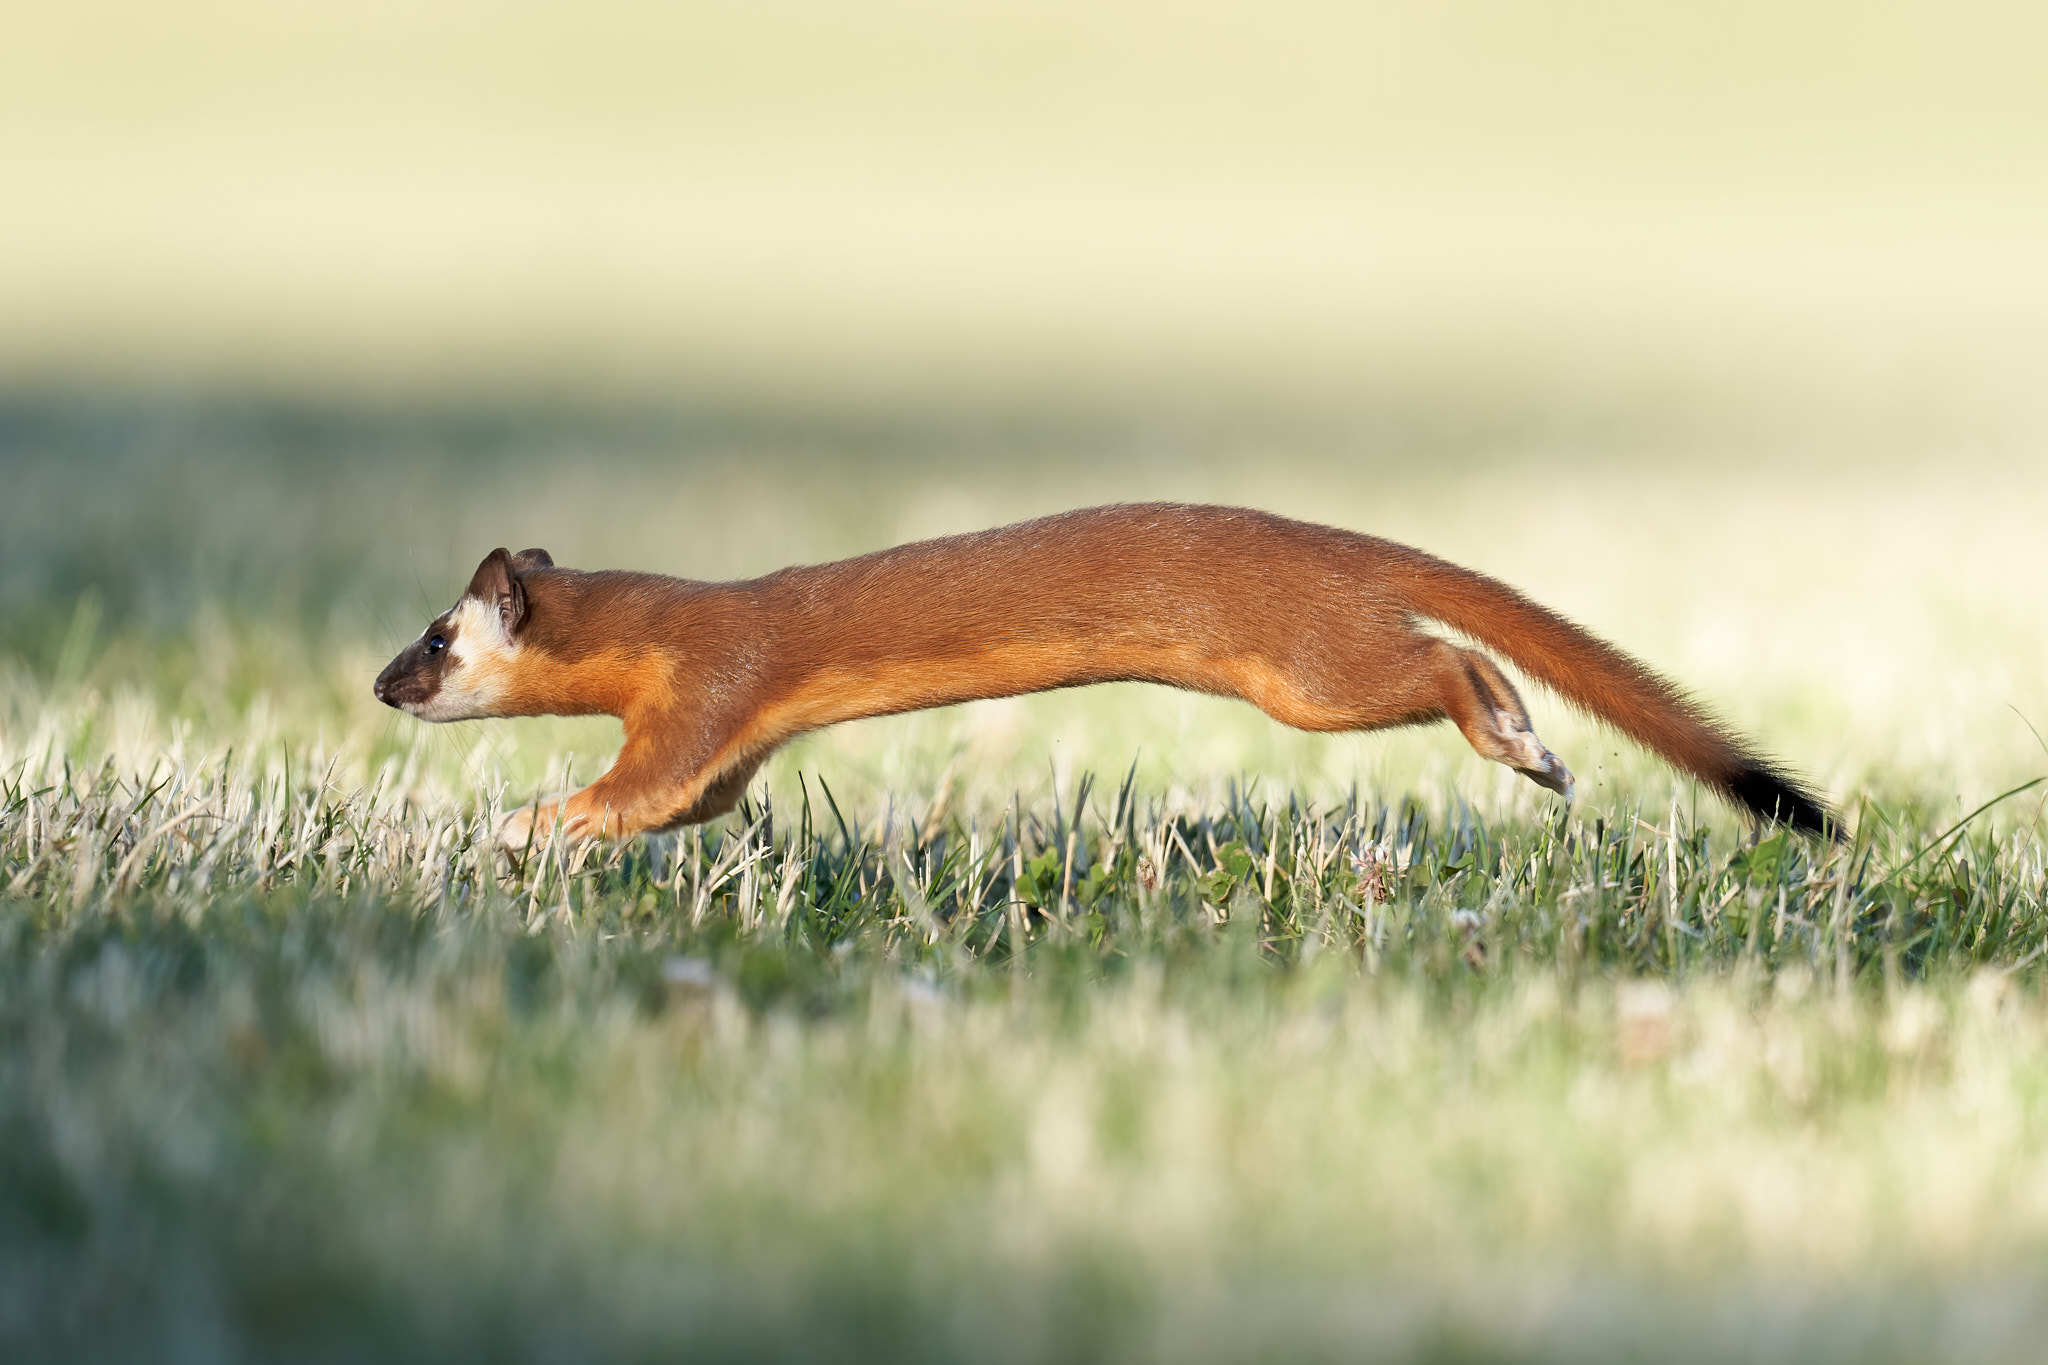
1323	629
1613	687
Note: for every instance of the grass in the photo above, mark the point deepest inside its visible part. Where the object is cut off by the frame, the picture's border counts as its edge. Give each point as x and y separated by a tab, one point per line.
298	1070
1114	1024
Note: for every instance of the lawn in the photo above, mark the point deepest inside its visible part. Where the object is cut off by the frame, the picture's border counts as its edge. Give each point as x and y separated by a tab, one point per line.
1118	1023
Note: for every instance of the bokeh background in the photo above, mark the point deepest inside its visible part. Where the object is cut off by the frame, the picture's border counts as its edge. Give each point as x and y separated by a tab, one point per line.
1721	328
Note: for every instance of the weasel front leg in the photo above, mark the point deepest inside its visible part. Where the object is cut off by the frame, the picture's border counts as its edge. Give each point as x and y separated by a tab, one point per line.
650	786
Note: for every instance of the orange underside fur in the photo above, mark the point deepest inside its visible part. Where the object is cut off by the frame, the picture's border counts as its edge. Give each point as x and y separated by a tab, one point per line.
1318	627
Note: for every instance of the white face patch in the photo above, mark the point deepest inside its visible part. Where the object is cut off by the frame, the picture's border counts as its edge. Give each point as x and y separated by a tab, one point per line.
480	653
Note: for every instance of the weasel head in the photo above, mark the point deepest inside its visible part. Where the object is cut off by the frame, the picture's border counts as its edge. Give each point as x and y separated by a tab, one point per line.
462	663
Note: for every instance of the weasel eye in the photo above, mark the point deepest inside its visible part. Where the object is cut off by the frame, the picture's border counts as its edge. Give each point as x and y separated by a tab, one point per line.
437	644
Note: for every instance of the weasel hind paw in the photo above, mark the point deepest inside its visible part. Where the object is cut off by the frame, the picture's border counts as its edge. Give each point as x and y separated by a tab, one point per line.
1551	773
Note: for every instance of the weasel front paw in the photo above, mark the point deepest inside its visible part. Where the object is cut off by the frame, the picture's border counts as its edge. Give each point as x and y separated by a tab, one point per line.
525	828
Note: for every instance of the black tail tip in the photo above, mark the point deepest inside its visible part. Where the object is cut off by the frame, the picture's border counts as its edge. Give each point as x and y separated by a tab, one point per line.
1769	794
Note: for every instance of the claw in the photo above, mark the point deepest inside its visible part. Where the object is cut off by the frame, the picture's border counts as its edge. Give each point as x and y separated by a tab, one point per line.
1551	773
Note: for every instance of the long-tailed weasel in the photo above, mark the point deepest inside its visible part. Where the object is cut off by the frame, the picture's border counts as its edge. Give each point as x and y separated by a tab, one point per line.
1316	626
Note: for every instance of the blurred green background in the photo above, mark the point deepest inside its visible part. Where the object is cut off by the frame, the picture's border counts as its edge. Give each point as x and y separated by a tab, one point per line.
1720	328
1486	208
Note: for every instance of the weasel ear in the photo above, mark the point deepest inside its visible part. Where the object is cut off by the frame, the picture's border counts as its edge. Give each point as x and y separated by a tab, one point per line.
494	585
532	559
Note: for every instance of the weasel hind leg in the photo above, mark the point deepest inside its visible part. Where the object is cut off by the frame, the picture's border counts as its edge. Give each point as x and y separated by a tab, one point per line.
1485	706
1418	680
